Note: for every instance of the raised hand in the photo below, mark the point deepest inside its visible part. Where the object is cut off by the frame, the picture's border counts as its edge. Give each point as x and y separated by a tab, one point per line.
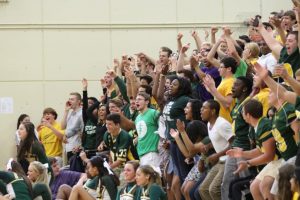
112	74
194	33
206	33
179	36
194	61
275	21
227	31
185	48
180	125
279	70
209	83
84	84
260	71
214	30
103	83
174	133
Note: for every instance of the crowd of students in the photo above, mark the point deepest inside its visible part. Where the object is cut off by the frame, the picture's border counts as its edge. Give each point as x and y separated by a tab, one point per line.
221	123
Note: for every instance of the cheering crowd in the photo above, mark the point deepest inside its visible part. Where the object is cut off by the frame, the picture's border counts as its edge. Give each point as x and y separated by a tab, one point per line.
219	123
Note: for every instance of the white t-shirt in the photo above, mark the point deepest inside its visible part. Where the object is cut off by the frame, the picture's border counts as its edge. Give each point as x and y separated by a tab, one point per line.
219	134
268	61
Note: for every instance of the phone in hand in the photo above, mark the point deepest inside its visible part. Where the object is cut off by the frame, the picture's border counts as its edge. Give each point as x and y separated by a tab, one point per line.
256	20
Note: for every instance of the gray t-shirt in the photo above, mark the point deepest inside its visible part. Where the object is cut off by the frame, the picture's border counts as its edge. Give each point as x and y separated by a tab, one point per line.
74	129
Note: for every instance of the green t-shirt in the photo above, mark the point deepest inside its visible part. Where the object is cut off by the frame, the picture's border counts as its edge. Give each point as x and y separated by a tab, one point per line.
241	69
18	184
121	148
239	127
130	191
174	110
41	189
146	125
293	59
282	131
263	132
154	192
90	135
297	104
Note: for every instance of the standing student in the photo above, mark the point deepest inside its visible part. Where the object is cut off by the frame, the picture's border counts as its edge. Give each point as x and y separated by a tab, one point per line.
72	123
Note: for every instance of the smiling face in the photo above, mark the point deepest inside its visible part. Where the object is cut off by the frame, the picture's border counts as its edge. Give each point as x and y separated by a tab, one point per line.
188	111
206	112
91	170
174	87
237	88
129	173
22	132
32	174
141	178
102	113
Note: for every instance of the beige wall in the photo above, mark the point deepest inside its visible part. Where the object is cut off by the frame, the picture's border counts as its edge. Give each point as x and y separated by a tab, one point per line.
47	46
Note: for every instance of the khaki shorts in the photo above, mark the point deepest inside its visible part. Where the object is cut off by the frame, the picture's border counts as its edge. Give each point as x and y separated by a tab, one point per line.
270	169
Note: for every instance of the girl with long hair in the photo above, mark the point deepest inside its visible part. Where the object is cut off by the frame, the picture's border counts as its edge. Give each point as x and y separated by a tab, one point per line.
38	175
30	149
14	184
149	180
129	191
102	185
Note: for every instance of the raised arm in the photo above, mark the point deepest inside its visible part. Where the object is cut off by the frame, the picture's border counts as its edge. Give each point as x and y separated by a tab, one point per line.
280	91
210	86
179	43
297	13
197	40
275	21
180	62
84	100
213	32
211	54
274	45
231	44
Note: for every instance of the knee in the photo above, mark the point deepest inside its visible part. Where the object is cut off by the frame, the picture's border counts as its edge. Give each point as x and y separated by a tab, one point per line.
254	188
76	188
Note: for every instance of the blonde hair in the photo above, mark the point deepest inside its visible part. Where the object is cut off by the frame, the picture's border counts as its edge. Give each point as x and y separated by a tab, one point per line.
254	49
42	170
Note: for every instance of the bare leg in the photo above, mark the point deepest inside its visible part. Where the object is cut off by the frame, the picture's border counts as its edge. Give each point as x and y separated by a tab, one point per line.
79	193
64	192
265	187
186	188
255	190
176	187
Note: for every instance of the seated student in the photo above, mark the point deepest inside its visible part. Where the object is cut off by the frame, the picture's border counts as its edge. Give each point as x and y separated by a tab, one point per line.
149	181
61	177
30	149
38	175
102	185
129	192
15	179
265	151
286	172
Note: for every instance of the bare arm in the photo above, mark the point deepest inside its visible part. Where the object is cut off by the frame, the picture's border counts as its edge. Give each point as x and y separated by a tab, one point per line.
211	54
274	45
213	32
231	45
281	92
210	86
179	43
179	143
180	62
197	40
275	21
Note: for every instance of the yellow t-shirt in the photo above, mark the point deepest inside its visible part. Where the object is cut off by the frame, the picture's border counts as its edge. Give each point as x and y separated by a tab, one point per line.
263	98
53	146
225	89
